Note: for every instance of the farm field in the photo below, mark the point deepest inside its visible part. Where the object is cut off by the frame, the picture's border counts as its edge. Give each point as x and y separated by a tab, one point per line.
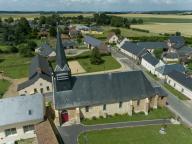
184	28
176	134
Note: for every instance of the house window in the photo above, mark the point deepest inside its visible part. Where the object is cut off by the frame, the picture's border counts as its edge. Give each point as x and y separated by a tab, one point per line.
174	84
162	98
41	90
169	81
28	128
120	105
41	84
48	89
87	108
138	102
182	90
11	131
104	107
35	90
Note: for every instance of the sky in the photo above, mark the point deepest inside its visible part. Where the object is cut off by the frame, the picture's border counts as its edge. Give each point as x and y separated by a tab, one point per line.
94	5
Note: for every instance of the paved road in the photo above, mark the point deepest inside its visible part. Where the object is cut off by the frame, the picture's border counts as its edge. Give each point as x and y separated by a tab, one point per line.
179	107
70	134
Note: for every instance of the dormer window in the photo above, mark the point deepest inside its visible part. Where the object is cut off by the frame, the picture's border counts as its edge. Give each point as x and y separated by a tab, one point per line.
29	112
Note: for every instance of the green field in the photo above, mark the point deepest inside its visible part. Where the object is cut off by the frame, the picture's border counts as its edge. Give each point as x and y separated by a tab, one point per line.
176	134
4	85
109	64
161	113
176	93
14	66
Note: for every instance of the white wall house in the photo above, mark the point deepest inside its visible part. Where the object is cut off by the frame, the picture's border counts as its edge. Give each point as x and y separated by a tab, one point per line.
151	63
19	115
180	82
113	39
39	86
122	42
133	56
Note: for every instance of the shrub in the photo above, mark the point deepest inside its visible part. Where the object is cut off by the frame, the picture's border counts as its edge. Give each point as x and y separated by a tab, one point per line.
94	118
101	117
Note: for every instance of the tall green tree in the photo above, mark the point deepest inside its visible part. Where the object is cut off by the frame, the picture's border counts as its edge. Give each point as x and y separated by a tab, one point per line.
96	57
53	31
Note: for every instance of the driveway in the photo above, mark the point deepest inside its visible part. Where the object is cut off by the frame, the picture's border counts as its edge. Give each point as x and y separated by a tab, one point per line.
70	134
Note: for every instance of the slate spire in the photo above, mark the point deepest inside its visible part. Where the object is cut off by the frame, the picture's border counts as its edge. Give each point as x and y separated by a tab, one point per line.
61	59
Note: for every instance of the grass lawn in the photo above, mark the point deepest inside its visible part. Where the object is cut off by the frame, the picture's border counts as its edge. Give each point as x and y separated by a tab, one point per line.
153	76
4	85
14	66
176	134
176	92
27	141
109	64
161	113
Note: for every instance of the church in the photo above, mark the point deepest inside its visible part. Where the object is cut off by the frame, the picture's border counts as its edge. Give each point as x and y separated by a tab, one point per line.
88	96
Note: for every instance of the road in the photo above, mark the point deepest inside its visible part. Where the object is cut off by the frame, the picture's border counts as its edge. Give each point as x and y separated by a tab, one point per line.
180	108
70	134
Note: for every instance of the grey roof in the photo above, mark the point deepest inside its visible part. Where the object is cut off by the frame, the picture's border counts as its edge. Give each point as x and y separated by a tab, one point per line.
92	41
161	92
105	88
179	41
171	55
33	80
68	44
166	69
39	65
150	59
15	110
61	59
184	51
45	50
133	48
181	78
152	45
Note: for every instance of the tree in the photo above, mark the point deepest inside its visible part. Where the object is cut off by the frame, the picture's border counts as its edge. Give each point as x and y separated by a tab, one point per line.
0	21
52	31
25	51
31	45
42	20
178	33
9	20
96	57
140	21
134	21
116	31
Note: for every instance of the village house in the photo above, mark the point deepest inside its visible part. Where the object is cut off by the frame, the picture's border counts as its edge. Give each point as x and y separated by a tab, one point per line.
180	82
88	96
175	42
171	57
150	62
40	78
112	38
95	30
18	117
69	44
132	50
121	42
46	51
162	71
92	43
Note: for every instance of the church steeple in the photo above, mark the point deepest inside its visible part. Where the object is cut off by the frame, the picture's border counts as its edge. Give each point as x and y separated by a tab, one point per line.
61	59
62	70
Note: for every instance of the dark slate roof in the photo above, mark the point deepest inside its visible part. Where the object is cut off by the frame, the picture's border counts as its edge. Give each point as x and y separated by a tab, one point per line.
152	45
171	55
45	50
39	65
150	59
160	92
179	41
166	69
104	89
92	41
68	43
184	51
95	28
61	59
15	110
33	80
133	48
182	79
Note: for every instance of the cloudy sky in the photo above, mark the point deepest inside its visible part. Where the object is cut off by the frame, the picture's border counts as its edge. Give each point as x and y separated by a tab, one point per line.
94	5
